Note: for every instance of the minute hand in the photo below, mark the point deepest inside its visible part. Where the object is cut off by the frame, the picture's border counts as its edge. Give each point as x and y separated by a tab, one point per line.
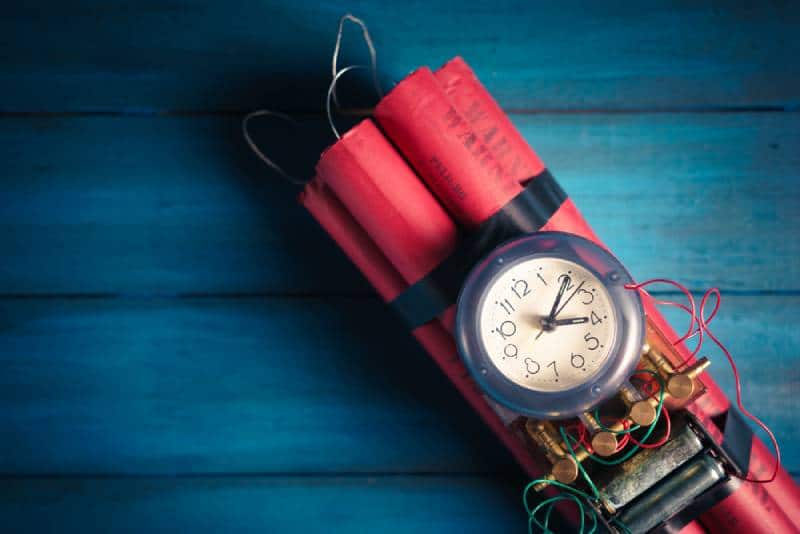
569	299
555	309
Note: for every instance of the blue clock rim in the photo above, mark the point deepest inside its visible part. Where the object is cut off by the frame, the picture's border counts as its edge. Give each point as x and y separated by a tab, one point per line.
627	306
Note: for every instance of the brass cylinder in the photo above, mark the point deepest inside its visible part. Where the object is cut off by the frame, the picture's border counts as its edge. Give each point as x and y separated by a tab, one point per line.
680	386
660	362
604	443
565	470
544	433
642	413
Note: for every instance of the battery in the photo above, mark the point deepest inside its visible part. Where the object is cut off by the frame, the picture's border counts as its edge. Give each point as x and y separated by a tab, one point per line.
673	494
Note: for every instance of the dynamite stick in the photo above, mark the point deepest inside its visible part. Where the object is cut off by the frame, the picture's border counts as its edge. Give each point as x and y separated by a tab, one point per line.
368	258
444	149
351	238
389	202
470	97
488	120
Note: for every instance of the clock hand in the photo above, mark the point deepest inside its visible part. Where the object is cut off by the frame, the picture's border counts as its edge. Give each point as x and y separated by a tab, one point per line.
554	310
569	299
573	320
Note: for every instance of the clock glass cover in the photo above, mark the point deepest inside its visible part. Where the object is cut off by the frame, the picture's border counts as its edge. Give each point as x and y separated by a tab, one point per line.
546	325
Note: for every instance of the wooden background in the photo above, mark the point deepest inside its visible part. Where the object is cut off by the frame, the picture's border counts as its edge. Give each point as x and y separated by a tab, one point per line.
183	349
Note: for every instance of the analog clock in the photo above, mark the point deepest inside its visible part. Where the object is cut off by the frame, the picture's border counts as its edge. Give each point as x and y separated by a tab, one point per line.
546	325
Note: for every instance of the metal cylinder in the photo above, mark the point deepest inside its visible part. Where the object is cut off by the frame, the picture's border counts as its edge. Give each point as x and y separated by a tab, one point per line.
668	498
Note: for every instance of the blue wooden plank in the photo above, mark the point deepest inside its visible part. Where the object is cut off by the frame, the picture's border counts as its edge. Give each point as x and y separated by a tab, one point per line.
578	54
262	504
216	386
177	205
298	385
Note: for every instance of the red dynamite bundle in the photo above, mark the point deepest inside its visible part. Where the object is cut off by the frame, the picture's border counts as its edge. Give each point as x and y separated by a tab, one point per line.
460	169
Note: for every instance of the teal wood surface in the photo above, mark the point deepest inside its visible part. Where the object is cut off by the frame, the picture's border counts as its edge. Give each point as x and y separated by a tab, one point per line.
183	349
283	385
176	205
206	55
398	504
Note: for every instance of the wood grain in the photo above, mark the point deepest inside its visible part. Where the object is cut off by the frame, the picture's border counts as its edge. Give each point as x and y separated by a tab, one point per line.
292	385
177	205
262	504
205	55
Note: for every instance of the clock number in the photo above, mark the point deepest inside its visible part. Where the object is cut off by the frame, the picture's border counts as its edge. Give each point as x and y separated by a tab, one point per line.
561	278
576	360
531	366
591	342
553	365
596	318
520	288
586	294
506	329
506	305
511	351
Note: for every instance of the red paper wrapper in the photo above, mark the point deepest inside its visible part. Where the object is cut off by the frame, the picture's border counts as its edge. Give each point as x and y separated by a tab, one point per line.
507	145
488	120
352	239
444	149
387	199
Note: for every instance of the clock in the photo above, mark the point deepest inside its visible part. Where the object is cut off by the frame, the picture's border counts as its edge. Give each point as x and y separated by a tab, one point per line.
547	327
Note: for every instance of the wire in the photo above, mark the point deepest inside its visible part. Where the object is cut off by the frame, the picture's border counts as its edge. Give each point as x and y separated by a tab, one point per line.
574	495
738	383
698	317
331	90
627	430
570	439
263	157
663	439
373	56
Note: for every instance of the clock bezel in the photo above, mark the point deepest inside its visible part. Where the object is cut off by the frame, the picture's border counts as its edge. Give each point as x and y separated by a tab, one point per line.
626	305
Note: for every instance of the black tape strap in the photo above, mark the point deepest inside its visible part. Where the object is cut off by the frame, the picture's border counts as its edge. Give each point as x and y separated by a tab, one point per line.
524	214
737	440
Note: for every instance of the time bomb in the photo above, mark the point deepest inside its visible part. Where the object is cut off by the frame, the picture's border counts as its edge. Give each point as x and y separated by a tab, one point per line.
456	222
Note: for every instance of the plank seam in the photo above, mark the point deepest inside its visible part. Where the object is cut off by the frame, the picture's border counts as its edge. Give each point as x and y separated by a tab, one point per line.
320	114
318	295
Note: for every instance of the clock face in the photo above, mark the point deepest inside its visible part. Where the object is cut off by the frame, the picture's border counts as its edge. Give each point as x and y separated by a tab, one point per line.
547	324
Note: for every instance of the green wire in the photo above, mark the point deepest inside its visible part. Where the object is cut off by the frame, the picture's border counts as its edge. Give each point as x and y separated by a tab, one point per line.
647	434
545	527
574	492
552	483
551	501
582	471
617	432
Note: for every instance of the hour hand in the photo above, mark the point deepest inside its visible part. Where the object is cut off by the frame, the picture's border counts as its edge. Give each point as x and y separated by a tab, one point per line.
572	320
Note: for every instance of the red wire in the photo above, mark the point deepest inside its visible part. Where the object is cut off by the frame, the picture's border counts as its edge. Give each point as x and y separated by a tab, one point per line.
583	434
738	383
663	439
625	437
640	287
701	330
